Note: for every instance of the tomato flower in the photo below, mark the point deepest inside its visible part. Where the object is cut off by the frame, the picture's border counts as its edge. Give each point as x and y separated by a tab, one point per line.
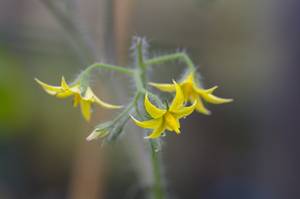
84	97
192	92
165	119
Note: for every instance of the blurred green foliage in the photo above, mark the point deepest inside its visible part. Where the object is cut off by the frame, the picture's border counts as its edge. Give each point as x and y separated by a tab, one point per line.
14	91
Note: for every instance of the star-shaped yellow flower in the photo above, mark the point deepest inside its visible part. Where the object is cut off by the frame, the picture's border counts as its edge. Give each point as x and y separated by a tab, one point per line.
192	92
85	98
167	119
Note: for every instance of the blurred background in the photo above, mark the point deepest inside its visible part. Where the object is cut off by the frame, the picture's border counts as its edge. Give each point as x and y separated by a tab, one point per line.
245	150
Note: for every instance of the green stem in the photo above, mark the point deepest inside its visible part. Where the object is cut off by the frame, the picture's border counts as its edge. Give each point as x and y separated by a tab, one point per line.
140	58
84	76
167	58
157	189
111	67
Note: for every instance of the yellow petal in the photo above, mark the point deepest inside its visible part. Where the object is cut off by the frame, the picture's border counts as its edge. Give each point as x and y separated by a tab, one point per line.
185	111
190	77
163	87
172	122
76	100
200	107
178	99
149	124
52	90
214	99
106	105
90	96
64	94
85	109
153	111
157	132
209	91
64	84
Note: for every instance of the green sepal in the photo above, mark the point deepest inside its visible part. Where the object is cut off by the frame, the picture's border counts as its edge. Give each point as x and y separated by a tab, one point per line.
117	129
100	131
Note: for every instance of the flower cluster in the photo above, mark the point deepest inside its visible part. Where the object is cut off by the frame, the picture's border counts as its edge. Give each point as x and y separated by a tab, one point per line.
160	117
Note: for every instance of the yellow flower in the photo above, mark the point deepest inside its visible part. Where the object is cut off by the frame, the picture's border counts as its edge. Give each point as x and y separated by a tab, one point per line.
85	99
167	119
192	92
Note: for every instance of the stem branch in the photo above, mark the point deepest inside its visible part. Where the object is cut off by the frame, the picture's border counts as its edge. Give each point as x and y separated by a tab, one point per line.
171	57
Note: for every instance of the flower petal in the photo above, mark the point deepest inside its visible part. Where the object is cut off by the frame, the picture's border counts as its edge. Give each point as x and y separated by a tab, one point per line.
90	96
214	99
106	105
209	91
185	111
64	94
200	106
178	99
64	84
52	90
76	100
157	132
149	124
163	87
85	109
153	111
172	122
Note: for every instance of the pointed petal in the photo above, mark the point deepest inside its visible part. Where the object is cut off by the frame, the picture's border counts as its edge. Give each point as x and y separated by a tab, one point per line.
156	132
149	124
163	87
76	100
178	99
210	90
52	90
200	106
214	99
64	84
90	96
106	105
172	122
185	111
153	111
85	109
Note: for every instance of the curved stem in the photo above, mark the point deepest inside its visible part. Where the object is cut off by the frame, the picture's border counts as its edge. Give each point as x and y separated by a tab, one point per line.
120	69
84	76
171	57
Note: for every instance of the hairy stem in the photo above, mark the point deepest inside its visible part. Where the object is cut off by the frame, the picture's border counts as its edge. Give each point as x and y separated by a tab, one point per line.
120	69
172	57
157	189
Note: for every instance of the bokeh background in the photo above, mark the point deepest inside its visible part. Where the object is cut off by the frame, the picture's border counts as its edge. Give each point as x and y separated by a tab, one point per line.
248	149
